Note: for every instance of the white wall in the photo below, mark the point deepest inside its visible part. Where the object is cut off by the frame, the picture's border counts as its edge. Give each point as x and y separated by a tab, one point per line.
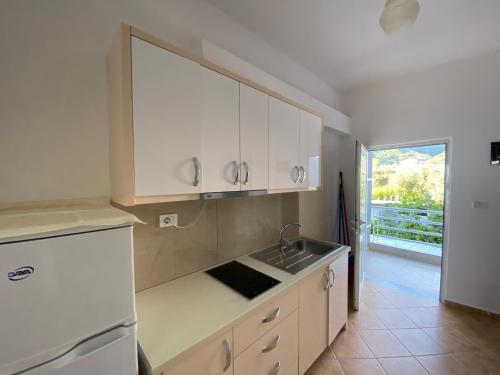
461	101
53	101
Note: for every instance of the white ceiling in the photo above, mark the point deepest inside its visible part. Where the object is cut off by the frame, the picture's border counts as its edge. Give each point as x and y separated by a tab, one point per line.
342	43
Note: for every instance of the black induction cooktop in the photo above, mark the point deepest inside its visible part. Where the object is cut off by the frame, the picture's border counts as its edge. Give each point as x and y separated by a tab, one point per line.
244	280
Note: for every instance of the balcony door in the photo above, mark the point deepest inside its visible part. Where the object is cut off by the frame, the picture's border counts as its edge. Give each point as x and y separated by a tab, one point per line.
360	222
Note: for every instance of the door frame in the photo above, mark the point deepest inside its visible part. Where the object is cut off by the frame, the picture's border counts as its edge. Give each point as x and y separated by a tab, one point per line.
447	196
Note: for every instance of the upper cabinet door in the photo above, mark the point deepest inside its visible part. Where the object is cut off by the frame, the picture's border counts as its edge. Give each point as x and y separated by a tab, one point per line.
283	145
220	132
166	115
310	150
254	138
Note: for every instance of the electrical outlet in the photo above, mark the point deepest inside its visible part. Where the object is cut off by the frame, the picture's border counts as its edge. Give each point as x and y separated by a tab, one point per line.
168	220
479	204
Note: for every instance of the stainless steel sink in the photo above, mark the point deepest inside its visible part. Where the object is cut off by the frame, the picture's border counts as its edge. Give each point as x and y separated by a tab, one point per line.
299	254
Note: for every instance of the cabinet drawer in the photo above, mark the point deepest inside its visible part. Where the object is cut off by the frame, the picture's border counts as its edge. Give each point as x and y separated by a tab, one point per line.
278	348
264	319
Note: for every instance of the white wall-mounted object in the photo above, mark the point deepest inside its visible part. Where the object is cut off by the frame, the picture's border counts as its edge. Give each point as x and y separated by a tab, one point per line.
68	303
181	126
283	145
254	138
168	92
310	135
220	132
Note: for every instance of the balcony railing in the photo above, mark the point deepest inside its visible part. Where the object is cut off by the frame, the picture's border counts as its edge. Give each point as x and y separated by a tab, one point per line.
413	225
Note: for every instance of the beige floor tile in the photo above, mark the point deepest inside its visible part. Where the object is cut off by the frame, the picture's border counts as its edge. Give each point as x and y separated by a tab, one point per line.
349	344
480	363
325	368
393	318
424	317
404	300
365	319
443	365
418	342
402	366
482	335
450	339
376	300
361	367
383	343
327	355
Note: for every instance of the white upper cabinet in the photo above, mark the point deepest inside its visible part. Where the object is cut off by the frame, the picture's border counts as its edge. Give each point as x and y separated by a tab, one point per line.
283	145
181	126
310	150
167	98
254	138
220	136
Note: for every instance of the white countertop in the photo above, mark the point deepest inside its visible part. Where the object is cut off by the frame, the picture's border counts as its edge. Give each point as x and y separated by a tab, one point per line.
175	317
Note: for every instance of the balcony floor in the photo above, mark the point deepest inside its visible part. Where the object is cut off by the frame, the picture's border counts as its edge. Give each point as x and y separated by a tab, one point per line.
418	247
403	274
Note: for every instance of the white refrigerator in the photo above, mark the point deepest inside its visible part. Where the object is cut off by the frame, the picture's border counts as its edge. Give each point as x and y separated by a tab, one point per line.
67	299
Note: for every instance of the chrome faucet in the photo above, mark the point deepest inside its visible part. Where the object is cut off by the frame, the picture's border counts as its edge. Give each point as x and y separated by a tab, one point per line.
283	244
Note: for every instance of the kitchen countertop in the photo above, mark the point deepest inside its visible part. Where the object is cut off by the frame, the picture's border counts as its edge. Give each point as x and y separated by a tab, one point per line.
175	317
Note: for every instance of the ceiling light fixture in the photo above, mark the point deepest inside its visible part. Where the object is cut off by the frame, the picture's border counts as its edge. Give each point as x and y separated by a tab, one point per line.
399	15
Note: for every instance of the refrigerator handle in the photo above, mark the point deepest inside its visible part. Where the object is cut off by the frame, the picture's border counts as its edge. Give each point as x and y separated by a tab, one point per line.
90	346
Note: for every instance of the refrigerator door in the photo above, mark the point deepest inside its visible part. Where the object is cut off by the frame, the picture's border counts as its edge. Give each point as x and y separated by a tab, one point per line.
113	352
56	292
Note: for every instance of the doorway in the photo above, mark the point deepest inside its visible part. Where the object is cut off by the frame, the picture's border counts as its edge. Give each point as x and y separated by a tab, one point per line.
401	227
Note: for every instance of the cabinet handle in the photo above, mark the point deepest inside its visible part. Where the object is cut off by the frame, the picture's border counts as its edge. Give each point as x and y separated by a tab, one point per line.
272	345
236	172
276	368
245	164
303	173
197	171
333	276
272	316
229	354
297	174
327	279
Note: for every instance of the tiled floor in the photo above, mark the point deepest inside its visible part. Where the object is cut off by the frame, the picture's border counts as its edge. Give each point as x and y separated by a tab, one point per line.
419	247
403	274
400	331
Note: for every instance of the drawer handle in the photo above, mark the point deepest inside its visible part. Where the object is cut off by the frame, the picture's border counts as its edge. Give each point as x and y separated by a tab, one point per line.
333	277
229	354
276	368
272	316
272	345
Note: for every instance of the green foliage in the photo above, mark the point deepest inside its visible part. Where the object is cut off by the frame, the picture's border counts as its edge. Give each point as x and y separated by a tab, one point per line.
406	178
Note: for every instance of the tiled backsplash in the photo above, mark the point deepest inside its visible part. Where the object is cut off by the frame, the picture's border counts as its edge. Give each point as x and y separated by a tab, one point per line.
227	229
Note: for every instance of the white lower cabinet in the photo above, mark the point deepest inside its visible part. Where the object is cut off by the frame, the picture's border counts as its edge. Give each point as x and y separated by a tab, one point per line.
313	323
285	336
213	358
275	352
337	296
